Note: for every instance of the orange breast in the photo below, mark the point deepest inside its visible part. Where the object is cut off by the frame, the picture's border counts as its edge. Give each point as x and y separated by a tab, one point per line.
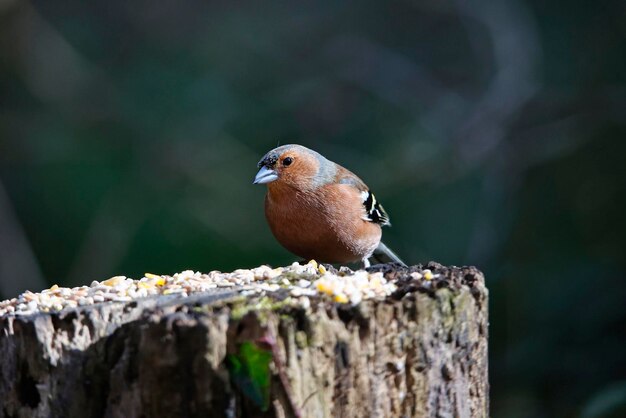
325	224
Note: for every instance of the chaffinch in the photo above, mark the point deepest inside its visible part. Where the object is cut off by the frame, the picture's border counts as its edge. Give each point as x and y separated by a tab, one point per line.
319	210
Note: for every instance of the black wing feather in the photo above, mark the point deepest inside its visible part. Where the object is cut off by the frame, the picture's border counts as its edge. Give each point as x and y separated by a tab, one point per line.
375	211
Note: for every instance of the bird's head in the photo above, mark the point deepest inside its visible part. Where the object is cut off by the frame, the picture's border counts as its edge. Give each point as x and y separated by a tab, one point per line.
293	165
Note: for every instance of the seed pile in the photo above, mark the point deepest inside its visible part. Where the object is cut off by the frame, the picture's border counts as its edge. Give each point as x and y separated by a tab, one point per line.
311	279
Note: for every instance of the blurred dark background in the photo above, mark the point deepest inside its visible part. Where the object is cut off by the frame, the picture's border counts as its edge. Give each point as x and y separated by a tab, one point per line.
494	132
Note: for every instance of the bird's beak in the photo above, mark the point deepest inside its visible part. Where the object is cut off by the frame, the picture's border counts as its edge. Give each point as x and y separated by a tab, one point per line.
265	175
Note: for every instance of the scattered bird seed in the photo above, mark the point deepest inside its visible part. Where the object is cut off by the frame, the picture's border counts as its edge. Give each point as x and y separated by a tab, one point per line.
300	280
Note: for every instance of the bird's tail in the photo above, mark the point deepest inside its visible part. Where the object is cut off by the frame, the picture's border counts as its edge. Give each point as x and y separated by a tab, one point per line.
383	254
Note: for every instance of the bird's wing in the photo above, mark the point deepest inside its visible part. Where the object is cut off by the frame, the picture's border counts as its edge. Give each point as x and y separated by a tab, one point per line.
374	211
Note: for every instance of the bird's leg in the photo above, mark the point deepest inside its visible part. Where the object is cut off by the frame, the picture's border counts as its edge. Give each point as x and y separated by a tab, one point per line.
366	262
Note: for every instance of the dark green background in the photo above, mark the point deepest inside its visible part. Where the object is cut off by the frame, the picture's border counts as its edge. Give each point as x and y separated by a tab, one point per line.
492	131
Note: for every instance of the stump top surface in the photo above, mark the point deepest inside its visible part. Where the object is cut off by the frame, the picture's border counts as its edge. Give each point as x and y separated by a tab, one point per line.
299	282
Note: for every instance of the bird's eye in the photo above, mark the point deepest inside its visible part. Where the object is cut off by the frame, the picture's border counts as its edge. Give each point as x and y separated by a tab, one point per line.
287	161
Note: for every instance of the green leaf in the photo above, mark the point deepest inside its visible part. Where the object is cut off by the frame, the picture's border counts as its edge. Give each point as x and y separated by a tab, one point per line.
250	371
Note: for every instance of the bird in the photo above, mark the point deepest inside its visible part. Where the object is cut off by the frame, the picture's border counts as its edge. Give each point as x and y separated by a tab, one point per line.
321	211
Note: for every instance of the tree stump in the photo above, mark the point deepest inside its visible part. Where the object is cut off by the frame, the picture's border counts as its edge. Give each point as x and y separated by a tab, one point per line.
419	352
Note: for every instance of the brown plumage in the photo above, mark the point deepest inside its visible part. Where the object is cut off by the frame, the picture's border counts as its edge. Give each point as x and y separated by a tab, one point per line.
319	210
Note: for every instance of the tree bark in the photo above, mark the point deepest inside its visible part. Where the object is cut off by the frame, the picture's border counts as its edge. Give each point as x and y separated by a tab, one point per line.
422	352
